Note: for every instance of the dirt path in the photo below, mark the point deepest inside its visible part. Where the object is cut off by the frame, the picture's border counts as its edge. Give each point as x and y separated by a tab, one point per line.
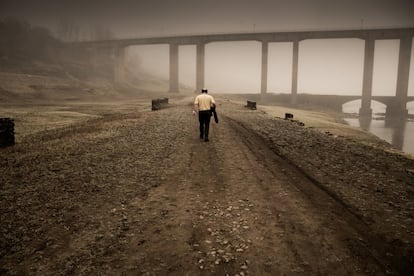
235	208
140	194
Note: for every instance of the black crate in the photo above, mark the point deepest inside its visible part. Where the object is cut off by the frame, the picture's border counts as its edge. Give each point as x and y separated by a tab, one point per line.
6	132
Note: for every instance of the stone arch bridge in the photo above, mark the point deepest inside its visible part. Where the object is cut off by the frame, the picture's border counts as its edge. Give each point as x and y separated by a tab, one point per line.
333	102
396	105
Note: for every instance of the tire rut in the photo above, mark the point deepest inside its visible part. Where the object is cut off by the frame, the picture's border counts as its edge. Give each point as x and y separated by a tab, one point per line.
351	229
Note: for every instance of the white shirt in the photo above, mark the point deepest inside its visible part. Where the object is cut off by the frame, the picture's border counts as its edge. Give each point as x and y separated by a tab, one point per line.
204	101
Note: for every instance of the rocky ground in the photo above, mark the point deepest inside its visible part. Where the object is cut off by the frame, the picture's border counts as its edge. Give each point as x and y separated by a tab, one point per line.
138	193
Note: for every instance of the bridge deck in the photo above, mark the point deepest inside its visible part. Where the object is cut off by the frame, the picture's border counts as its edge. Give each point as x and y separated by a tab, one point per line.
268	37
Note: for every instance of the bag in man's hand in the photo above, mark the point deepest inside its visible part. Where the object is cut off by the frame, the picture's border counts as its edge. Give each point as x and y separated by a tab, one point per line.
214	113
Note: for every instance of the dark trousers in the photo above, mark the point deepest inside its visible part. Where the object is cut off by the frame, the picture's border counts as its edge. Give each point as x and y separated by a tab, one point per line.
204	119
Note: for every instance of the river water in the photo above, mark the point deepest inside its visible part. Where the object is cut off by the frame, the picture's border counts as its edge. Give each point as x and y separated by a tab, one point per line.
398	132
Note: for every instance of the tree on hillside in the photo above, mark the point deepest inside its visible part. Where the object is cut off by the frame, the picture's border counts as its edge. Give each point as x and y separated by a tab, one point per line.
12	34
68	30
18	40
101	32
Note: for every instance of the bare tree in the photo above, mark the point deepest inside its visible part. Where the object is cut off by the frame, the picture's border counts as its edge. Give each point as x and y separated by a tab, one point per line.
67	30
101	32
19	40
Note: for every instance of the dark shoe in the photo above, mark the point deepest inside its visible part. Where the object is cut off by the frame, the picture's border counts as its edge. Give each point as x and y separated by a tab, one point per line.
206	139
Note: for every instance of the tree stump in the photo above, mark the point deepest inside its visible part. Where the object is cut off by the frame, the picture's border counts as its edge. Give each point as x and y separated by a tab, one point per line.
157	104
251	105
288	116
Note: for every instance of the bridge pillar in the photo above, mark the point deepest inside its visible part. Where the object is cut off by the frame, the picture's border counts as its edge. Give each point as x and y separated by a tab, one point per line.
119	66
399	106
174	68
265	51
295	62
200	67
366	109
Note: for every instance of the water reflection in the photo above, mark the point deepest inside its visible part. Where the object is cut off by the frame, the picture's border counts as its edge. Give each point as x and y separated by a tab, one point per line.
398	125
397	131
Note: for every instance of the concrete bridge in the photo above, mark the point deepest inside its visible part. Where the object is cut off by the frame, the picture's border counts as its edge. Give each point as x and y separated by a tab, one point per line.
396	106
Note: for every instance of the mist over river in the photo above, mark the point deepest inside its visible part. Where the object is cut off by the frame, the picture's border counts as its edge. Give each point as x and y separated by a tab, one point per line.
398	132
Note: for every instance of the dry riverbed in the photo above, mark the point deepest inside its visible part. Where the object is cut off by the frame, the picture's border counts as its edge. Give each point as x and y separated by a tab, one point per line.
114	188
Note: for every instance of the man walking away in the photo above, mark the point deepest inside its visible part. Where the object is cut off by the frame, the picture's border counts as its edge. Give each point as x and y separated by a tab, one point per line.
203	104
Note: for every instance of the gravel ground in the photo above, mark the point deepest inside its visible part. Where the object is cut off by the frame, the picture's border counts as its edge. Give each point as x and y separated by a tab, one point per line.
373	181
138	193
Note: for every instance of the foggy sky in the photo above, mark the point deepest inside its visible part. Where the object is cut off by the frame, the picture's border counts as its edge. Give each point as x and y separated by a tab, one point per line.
325	67
137	18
